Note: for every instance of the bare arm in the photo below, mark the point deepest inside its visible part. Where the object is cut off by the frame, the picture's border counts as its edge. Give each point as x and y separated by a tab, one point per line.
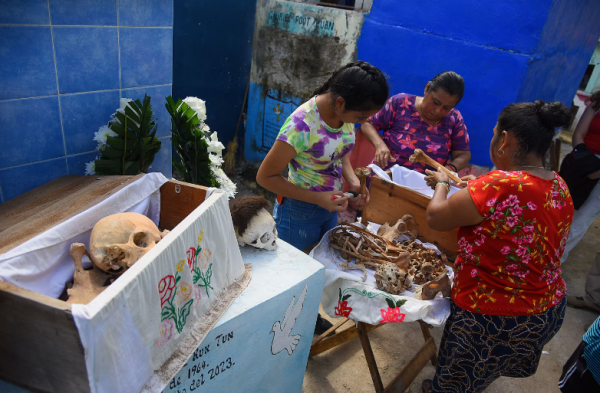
583	126
354	183
460	158
269	177
444	214
382	152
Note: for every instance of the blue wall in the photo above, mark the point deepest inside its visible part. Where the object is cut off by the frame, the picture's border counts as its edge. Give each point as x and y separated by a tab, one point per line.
64	65
507	51
212	57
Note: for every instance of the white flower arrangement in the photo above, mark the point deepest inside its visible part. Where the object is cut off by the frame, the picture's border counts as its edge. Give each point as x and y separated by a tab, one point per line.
215	147
90	168
102	135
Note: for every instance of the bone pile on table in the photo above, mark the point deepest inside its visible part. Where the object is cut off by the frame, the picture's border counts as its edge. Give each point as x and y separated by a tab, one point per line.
397	265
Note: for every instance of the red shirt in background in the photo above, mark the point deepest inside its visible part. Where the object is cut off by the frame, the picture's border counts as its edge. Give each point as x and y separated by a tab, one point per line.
509	264
592	138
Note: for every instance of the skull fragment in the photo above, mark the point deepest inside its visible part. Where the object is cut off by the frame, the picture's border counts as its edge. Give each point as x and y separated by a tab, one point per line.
253	224
391	278
118	241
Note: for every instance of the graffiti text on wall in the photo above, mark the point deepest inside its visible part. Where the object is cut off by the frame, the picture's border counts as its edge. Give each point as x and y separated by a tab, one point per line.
301	24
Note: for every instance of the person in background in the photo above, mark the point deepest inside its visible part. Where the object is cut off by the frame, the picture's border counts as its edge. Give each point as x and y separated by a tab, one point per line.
508	297
314	143
430	123
581	170
581	373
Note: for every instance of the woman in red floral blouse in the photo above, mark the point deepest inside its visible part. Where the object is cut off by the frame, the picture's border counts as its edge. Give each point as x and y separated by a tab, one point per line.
508	294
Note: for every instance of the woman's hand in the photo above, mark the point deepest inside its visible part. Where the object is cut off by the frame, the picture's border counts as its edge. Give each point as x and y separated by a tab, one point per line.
383	155
465	180
338	204
435	176
361	200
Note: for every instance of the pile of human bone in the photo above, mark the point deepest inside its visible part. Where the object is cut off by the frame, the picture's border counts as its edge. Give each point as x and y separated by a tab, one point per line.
397	264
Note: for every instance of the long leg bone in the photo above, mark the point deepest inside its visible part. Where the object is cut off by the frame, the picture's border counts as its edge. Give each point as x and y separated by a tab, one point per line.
420	156
362	174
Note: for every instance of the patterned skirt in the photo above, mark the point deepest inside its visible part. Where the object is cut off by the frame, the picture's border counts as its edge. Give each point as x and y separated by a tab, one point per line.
476	349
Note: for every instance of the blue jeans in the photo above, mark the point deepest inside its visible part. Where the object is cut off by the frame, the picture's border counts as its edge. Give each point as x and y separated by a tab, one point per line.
302	224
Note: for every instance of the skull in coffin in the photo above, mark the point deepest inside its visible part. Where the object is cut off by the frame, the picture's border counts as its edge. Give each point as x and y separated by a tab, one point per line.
118	241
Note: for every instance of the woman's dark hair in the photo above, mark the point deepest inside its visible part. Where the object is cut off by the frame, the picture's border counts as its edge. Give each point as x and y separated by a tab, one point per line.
533	124
360	84
594	99
450	81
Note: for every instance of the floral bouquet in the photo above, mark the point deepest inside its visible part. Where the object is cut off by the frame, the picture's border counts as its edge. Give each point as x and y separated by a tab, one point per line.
199	152
128	144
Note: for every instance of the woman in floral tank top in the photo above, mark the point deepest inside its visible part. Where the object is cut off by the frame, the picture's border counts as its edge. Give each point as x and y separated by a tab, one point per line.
508	294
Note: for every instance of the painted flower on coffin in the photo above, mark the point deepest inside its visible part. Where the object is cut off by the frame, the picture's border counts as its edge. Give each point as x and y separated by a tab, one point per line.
342	309
204	257
165	289
391	315
166	332
184	291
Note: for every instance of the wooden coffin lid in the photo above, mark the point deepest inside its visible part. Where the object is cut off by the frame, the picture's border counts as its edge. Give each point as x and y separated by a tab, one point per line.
40	209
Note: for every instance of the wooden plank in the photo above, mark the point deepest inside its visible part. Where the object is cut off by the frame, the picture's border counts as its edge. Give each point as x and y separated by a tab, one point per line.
338	339
177	200
389	202
47	206
329	331
369	357
40	346
403	380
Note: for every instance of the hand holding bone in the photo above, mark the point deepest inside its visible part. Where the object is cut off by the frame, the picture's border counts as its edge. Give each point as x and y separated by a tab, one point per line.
420	156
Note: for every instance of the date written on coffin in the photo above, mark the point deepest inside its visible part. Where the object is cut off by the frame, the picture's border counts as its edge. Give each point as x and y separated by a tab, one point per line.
199	374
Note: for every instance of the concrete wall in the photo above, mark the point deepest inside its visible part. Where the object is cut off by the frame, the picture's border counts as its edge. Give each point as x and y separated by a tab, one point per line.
507	51
64	65
212	56
296	48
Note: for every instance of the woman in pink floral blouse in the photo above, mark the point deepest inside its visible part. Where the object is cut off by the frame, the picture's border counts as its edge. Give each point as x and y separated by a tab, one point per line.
508	297
429	123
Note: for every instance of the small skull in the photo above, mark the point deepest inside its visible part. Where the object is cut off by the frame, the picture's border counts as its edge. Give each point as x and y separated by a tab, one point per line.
390	278
260	233
118	241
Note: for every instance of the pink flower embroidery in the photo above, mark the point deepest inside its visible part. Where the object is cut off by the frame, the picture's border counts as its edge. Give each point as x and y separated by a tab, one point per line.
165	289
531	206
512	221
473	272
197	292
528	228
505	250
191	258
391	315
512	267
166	332
491	202
342	309
512	200
516	211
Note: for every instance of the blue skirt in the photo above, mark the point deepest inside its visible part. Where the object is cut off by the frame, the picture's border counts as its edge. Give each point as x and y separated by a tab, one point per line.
477	349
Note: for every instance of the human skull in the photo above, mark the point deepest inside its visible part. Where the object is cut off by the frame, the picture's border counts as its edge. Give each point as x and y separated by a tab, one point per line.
390	278
118	241
260	233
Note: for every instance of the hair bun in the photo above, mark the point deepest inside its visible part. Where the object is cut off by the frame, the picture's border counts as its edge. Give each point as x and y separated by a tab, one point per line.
553	114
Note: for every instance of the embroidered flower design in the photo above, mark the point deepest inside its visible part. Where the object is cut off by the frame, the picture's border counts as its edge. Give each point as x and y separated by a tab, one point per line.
531	206
191	258
197	292
505	250
391	315
184	291
165	288
180	265
342	309
204	257
473	272
166	332
491	202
